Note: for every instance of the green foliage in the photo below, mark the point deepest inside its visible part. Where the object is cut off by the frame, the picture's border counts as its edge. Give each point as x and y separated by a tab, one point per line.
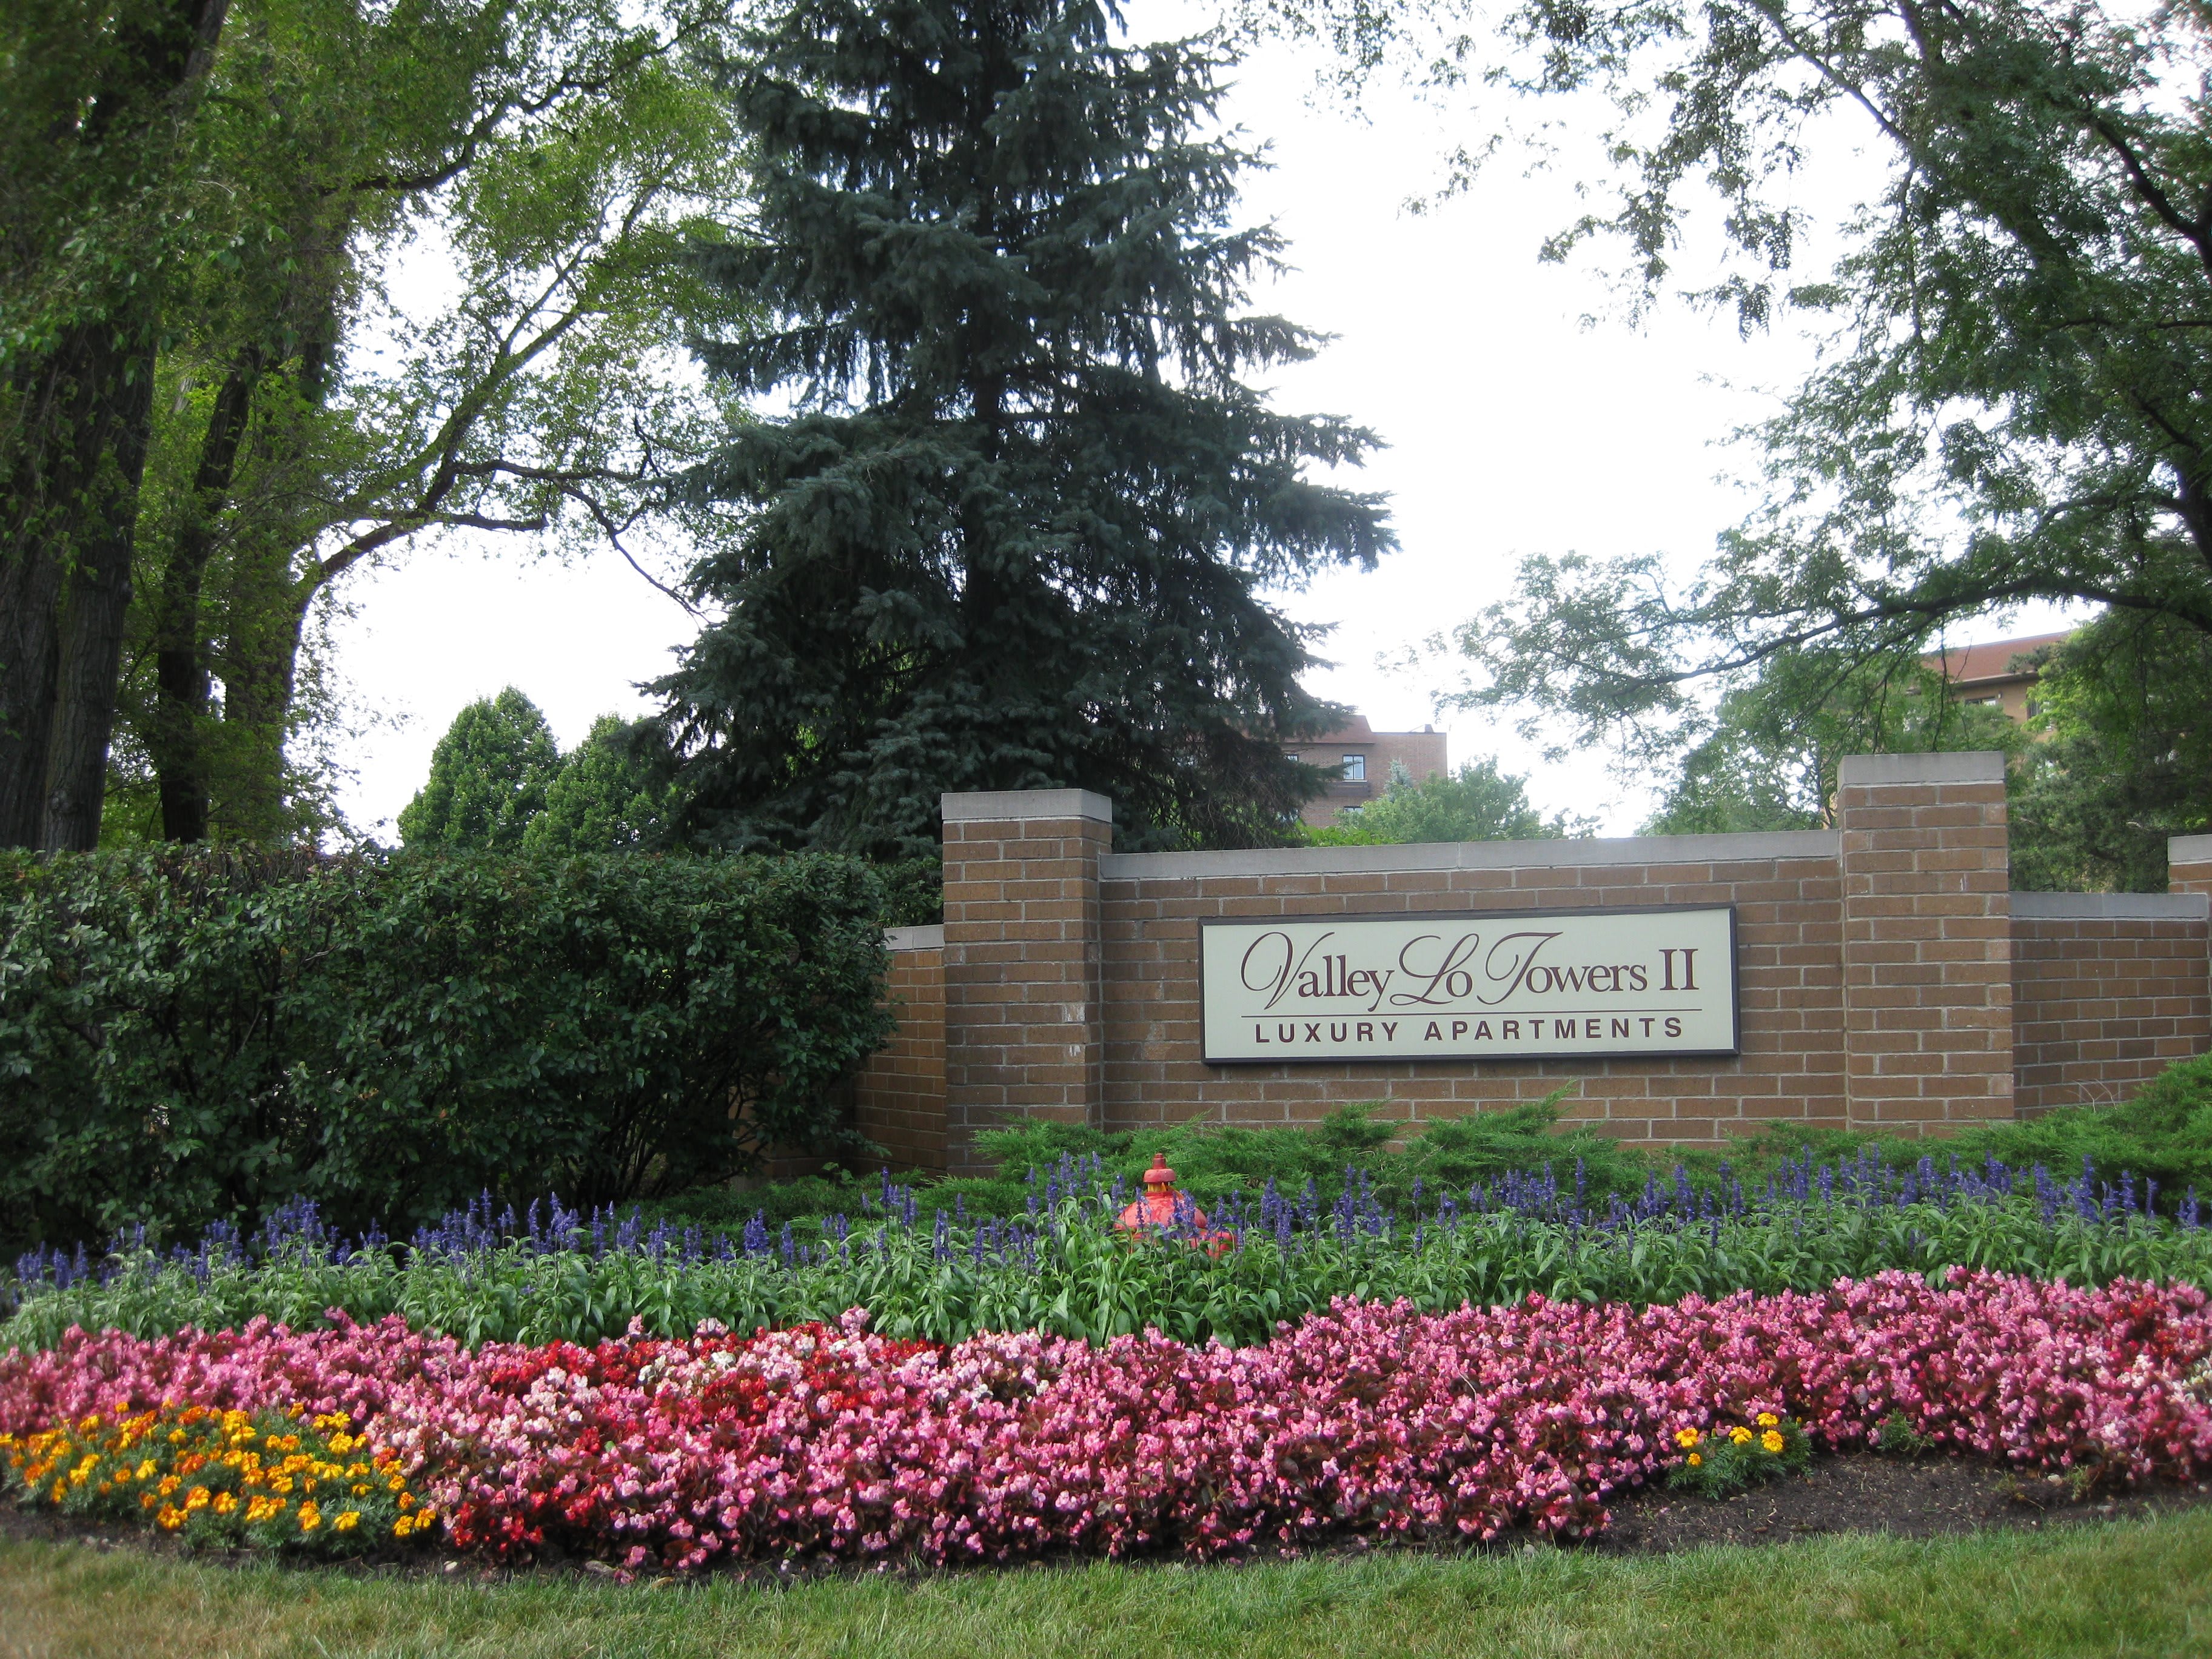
607	796
2127	762
2009	407
1898	1433
1768	757
2164	1136
1067	1270
1480	802
553	152
489	777
187	1038
1020	529
913	891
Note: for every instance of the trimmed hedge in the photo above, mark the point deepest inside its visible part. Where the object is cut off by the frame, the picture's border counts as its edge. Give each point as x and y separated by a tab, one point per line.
188	1036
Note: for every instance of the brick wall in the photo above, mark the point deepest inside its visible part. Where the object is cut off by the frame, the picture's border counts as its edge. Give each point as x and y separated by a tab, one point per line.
1888	978
1791	975
1022	960
2108	990
2188	864
1927	940
898	1098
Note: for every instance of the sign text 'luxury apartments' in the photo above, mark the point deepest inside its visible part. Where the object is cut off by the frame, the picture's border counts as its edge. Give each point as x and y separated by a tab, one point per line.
1515	987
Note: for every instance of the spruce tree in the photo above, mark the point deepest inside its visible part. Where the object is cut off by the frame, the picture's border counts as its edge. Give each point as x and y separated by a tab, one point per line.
488	775
1019	525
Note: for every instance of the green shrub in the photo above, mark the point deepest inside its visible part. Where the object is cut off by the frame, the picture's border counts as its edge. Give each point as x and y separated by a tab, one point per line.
2164	1135
192	1036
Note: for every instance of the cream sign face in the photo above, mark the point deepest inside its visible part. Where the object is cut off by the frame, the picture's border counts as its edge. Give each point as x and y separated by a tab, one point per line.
1516	986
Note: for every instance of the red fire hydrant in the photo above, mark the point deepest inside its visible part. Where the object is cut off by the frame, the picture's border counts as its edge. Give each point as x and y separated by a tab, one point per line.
1156	1208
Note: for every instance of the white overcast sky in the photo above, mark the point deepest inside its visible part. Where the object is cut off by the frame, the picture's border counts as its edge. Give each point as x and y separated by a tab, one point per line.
1514	427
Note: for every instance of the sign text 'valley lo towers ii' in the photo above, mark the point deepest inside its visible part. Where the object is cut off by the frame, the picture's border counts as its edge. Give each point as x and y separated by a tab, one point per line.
1505	985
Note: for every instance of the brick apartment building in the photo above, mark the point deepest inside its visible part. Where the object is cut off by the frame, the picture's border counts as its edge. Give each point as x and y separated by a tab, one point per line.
1996	675
1363	759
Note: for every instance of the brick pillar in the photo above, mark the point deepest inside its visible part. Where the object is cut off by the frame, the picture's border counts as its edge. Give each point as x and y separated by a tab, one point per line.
1926	941
1024	1030
2188	864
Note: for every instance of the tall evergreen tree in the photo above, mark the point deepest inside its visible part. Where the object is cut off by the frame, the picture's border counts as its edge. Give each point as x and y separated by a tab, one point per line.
488	778
607	798
1018	529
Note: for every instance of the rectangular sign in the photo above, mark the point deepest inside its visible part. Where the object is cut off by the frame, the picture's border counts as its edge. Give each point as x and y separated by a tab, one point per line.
1515	986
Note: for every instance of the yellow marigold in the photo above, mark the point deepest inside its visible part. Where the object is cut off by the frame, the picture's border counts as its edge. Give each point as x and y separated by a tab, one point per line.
1772	1440
1741	1436
1686	1438
87	1425
406	1498
1767	1419
60	1491
225	1502
197	1497
147	1500
170	1517
148	1470
1696	1458
401	1527
169	1484
280	1483
347	1521
361	1489
310	1518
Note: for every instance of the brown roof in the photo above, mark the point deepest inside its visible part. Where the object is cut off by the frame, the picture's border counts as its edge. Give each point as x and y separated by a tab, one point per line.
1991	664
1355	729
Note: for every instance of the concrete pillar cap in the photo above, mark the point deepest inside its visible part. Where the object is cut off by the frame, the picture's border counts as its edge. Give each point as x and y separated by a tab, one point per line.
984	805
1962	765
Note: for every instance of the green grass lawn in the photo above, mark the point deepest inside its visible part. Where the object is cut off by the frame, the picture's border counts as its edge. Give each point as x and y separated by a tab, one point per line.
2125	1588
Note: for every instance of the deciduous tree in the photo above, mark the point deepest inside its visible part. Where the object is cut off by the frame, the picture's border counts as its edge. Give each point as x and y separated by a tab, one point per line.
2013	406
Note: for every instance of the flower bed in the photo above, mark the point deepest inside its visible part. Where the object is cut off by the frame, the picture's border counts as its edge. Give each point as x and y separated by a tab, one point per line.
1377	1419
269	1479
553	1274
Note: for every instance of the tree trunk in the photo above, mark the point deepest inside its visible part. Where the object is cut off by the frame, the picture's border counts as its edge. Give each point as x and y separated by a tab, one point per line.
30	659
268	598
82	413
178	740
260	671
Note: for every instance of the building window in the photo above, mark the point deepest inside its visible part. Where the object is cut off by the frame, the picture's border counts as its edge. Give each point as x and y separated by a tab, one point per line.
1355	769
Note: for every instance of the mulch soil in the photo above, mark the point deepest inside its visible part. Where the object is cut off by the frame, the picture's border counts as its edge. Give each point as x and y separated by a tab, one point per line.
1924	1497
1903	1496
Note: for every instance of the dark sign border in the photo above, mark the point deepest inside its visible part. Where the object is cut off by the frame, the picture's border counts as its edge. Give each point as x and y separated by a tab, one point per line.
1735	987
